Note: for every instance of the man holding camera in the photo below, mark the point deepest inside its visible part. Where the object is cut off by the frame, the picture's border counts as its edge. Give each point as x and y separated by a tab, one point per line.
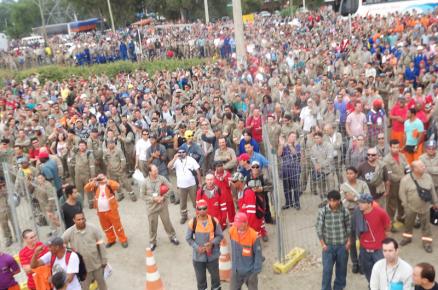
107	208
188	179
417	194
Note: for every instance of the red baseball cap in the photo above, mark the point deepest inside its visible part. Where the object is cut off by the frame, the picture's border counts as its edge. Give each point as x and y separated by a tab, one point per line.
243	157
43	155
240	218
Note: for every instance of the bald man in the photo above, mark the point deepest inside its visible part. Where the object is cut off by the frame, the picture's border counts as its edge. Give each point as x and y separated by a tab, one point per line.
415	205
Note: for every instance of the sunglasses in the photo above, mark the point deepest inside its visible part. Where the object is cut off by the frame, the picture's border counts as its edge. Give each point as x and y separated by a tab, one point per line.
256	166
202	208
372	154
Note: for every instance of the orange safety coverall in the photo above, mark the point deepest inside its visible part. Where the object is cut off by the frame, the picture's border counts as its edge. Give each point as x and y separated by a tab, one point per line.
109	220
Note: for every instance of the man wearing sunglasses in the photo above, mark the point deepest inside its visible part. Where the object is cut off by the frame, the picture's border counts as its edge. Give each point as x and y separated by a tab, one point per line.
261	186
375	173
204	235
247	203
188	179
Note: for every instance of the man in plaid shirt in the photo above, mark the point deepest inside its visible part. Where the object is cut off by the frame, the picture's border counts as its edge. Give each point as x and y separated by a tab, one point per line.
333	229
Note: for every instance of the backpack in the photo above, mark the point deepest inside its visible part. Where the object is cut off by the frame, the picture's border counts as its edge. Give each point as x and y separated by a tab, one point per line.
377	178
195	222
82	274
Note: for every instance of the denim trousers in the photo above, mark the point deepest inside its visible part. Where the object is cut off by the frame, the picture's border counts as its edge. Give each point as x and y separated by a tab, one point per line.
367	259
201	275
334	255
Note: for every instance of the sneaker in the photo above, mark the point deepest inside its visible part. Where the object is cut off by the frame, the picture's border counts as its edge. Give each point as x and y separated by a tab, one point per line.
428	248
109	245
417	224
133	196
152	247
120	197
125	245
8	243
286	206
174	241
183	220
405	241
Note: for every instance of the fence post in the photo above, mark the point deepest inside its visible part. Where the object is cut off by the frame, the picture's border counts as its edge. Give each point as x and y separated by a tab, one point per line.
276	189
11	203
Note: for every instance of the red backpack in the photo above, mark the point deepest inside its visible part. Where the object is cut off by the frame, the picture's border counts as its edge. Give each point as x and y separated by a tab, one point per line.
82	274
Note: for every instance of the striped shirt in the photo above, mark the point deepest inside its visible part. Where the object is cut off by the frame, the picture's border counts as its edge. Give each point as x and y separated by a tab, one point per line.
333	227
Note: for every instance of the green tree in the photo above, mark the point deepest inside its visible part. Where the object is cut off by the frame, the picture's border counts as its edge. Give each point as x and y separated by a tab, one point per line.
23	16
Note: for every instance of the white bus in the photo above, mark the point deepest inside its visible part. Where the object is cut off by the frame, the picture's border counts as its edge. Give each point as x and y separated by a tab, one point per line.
382	7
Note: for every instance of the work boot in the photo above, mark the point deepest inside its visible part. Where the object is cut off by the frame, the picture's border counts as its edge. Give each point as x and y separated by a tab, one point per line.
355	269
8	242
120	197
109	245
133	196
183	220
428	247
405	241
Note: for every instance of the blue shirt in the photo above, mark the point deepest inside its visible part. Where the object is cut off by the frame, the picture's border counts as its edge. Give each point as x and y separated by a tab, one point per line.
410	127
260	159
252	142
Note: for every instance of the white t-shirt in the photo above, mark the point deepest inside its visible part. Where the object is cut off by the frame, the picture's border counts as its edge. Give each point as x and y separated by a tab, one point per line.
141	147
71	268
184	177
309	119
102	201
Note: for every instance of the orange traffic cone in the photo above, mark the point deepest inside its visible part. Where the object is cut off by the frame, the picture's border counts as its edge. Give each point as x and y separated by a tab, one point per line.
153	279
224	262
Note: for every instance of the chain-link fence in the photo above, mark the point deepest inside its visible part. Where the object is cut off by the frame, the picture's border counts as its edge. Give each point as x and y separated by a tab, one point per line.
33	204
303	169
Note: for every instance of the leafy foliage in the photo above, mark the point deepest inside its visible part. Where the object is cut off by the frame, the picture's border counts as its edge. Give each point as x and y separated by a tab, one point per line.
53	72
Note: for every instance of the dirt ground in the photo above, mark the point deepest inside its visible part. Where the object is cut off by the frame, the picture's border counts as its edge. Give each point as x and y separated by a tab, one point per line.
174	262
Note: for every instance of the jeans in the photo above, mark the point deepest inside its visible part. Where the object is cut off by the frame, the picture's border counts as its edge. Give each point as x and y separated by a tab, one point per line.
251	280
367	261
334	255
201	277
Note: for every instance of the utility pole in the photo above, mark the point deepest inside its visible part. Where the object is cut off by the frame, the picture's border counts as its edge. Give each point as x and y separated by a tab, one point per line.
111	16
207	16
40	5
238	32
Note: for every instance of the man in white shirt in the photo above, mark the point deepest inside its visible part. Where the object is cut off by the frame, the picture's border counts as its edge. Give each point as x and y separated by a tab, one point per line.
391	272
309	116
62	261
186	168
141	148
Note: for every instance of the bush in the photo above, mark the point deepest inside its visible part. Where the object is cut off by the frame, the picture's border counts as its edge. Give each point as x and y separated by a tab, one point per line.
54	72
289	11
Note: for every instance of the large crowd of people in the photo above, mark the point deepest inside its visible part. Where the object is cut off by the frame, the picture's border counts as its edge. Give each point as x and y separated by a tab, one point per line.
351	117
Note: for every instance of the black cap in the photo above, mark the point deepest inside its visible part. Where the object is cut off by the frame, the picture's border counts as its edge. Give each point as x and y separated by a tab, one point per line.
56	241
218	164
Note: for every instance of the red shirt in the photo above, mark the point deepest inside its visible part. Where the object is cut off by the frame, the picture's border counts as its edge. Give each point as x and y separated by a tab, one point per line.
401	112
256	128
25	258
216	204
378	222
